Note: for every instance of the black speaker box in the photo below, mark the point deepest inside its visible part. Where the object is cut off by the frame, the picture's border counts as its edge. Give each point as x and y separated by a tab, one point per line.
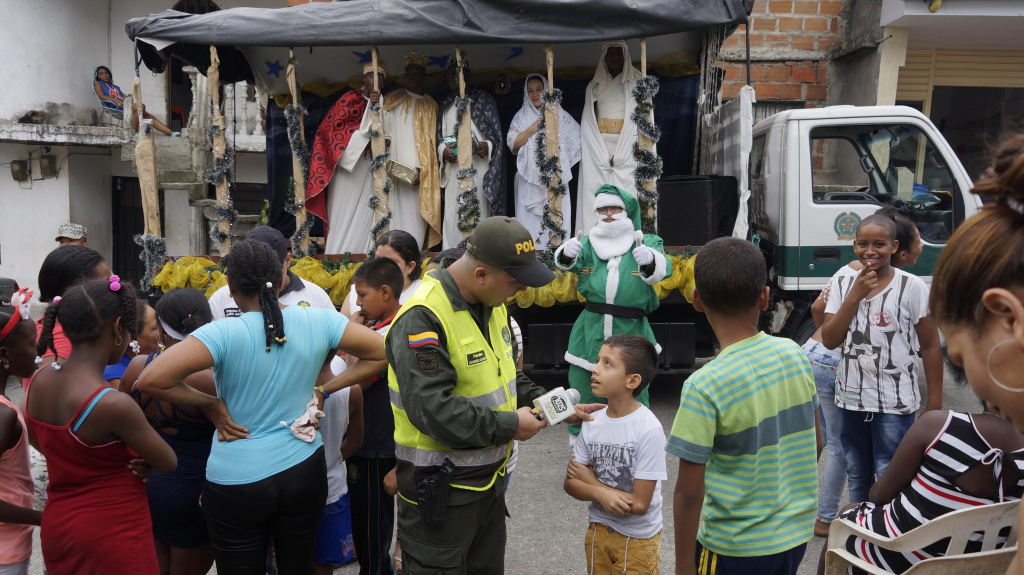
694	210
548	342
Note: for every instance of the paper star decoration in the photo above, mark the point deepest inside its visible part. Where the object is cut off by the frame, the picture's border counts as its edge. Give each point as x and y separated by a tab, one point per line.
516	52
274	68
441	61
364	57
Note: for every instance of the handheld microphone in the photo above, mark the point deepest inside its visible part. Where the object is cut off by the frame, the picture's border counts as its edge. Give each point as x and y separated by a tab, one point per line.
556	405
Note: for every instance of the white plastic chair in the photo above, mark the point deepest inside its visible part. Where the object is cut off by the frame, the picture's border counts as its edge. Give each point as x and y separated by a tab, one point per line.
108	108
959	525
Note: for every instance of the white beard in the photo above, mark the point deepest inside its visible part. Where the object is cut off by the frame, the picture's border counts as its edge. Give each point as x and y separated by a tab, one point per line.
612	239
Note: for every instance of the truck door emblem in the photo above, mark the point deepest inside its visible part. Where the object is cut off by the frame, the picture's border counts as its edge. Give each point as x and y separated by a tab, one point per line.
846	225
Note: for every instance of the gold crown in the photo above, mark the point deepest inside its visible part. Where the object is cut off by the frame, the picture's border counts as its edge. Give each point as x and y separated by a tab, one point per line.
412	59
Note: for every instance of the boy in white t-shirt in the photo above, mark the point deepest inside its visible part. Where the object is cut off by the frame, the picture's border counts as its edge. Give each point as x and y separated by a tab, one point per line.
880	318
618	463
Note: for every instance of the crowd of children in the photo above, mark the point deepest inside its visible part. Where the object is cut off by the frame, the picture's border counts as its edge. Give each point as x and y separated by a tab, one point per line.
123	402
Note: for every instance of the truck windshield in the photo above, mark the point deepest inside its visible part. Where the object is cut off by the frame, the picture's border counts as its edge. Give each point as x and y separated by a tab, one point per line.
885	164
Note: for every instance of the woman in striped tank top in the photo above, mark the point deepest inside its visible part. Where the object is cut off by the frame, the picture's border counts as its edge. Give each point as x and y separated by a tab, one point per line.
947	461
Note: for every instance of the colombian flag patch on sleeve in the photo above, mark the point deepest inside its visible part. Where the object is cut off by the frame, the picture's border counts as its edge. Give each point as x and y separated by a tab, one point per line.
422	339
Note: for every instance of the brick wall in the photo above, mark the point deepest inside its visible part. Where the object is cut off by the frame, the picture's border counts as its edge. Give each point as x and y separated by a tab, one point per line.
789	44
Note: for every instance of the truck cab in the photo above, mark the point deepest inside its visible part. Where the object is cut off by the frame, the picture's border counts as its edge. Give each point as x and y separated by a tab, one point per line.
814	174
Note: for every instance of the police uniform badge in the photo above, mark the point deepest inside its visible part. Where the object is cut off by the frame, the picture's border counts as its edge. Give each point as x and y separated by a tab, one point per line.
505	335
428	362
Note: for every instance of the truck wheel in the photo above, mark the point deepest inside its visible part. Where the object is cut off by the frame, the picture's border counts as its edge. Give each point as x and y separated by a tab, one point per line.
805	331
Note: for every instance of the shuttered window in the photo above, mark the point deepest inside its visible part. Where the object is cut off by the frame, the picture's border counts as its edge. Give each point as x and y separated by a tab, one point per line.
926	69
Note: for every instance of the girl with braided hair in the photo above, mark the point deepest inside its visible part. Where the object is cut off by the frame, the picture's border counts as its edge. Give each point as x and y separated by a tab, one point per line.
266	476
64	267
97	518
17	354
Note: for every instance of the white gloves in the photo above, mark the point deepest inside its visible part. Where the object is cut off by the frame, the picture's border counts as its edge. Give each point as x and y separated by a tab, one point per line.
572	247
643	255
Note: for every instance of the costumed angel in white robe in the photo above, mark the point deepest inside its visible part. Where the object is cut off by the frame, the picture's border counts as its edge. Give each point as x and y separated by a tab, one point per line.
608	134
531	193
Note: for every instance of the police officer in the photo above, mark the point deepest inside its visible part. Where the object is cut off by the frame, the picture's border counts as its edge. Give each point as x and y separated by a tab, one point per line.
459	402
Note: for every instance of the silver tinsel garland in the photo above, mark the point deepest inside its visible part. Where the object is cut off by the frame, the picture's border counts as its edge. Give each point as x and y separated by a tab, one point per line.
221	167
154	254
648	164
293	113
469	202
220	213
549	169
293	116
290	205
297	237
377	162
216	174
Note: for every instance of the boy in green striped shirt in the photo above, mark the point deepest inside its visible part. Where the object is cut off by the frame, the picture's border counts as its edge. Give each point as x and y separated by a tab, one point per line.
745	432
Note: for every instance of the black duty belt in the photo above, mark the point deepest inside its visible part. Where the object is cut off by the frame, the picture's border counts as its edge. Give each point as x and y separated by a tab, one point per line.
615	310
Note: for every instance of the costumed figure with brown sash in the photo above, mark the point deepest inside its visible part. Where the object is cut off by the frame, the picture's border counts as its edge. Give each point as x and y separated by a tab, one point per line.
342	198
608	132
410	122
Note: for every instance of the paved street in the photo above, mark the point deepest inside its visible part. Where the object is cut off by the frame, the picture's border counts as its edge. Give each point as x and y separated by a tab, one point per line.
545	533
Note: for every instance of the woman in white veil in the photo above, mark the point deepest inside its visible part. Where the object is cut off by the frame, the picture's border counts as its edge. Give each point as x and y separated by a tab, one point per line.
531	194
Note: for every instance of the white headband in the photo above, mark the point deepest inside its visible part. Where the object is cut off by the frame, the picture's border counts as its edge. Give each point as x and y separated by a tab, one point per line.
171	331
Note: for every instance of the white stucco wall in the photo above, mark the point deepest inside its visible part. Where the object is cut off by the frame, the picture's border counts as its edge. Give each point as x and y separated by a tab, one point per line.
89	192
251	168
32	213
177	222
50	48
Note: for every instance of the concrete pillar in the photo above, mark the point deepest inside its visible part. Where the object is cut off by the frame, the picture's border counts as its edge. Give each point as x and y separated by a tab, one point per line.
893	55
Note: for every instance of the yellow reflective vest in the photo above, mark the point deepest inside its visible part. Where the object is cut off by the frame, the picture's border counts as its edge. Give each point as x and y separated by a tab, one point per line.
486	376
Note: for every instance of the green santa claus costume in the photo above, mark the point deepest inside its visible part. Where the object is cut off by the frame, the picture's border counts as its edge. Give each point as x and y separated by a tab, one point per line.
617	266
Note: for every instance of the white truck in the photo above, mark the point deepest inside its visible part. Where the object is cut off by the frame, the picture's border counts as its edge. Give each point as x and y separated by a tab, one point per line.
815	173
809	177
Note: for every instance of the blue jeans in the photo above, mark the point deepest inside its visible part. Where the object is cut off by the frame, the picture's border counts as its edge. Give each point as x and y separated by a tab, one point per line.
869	442
824	363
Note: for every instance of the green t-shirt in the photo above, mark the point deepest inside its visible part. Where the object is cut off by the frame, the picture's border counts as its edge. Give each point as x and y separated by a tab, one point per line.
749	416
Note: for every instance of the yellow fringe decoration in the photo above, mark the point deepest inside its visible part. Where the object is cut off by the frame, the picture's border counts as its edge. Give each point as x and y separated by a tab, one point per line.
564	289
337	283
192	272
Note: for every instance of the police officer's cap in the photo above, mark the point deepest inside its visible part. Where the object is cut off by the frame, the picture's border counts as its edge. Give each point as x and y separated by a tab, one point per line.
505	243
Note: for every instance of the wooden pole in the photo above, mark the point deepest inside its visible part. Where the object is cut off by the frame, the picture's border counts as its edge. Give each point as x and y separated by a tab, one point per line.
145	164
645	143
551	130
377	148
220	143
464	137
299	177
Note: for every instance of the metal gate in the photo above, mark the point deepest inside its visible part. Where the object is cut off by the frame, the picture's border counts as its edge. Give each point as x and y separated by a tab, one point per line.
127	222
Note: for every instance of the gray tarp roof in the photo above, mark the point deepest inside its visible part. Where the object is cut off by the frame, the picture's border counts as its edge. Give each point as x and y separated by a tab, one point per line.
420	22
